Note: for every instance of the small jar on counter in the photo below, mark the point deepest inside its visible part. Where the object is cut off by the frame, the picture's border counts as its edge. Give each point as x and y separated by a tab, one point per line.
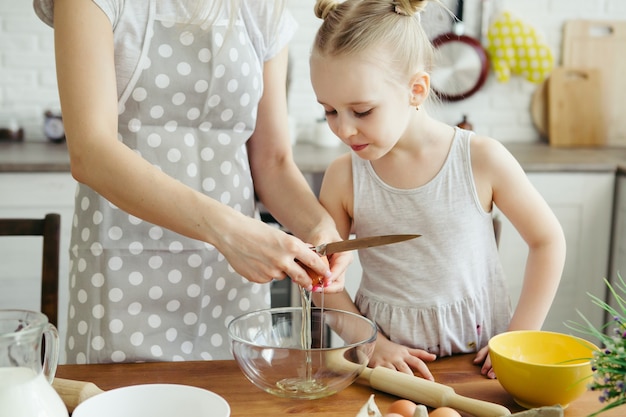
12	131
53	127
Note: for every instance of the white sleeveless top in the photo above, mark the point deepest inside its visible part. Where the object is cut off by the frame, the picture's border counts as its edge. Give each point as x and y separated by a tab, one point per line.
444	292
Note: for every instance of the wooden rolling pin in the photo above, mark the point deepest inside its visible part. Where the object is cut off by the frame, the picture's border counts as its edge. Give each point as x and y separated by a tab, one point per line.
427	392
419	390
74	392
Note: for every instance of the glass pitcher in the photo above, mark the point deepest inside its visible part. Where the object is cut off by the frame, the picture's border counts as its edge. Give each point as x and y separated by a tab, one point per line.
25	382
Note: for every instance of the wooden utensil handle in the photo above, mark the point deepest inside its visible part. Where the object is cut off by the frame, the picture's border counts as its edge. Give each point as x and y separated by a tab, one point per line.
429	393
74	392
477	407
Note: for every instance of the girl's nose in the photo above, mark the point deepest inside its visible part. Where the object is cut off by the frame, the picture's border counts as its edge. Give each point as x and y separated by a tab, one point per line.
344	128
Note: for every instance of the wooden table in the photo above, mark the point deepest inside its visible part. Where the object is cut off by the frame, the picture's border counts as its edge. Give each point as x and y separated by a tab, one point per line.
245	399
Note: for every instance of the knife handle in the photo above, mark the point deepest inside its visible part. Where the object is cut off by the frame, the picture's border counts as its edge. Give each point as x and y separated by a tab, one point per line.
319	249
430	393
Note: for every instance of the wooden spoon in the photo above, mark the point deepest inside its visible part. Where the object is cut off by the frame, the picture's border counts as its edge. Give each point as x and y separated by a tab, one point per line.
74	392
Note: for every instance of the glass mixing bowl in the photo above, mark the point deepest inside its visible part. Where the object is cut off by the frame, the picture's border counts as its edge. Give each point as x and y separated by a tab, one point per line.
282	357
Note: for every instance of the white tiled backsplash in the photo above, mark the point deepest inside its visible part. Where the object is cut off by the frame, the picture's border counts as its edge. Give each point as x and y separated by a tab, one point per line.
28	79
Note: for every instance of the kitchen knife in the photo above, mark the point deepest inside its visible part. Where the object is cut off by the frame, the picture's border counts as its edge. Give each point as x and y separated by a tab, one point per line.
360	243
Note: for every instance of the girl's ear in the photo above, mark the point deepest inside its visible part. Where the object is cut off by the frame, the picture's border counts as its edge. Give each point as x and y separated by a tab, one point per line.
420	88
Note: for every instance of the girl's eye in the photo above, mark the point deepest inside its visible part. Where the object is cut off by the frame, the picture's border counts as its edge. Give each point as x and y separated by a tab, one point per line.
363	114
330	112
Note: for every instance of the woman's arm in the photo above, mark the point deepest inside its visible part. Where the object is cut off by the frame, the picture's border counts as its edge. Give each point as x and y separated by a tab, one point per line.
337	196
88	93
279	184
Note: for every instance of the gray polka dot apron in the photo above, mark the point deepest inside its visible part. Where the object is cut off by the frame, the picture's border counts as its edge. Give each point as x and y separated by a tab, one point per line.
140	292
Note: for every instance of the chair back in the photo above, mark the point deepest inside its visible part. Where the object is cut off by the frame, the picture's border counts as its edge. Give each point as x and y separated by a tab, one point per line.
49	228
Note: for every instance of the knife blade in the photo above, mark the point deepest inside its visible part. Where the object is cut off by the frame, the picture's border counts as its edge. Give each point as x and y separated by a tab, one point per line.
360	243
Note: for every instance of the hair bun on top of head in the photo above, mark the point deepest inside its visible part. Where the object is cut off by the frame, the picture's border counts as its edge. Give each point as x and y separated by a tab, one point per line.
324	7
402	7
409	7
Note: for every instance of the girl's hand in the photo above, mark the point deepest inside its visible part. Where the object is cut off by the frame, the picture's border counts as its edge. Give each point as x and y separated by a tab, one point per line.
338	265
401	358
483	357
338	261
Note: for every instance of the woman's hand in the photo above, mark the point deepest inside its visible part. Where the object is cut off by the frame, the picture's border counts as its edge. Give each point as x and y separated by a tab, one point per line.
262	253
482	357
401	358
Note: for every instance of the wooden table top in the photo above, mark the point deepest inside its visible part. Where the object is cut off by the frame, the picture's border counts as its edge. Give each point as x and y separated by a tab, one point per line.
226	379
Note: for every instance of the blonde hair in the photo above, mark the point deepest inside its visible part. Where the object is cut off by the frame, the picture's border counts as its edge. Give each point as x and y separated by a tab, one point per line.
359	27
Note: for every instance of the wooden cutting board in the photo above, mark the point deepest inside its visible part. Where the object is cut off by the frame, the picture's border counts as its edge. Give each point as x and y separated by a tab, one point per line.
601	44
539	108
574	108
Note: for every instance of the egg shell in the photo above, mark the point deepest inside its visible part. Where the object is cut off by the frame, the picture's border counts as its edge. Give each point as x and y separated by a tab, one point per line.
315	277
444	412
405	408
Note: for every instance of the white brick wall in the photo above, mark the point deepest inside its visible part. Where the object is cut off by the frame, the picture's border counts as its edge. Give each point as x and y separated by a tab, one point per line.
28	80
498	110
27	75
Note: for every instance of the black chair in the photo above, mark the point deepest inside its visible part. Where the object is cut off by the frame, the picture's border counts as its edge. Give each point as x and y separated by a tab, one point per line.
49	228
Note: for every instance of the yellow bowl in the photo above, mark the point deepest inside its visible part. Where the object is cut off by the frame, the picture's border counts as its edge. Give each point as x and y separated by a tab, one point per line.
540	368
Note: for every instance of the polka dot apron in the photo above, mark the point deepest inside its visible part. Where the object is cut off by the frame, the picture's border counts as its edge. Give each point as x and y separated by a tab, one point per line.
140	292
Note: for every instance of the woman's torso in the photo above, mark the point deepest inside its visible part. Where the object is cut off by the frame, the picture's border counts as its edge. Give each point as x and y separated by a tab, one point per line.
188	96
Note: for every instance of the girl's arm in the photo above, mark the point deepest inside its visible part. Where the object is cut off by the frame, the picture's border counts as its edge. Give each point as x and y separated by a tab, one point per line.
501	180
88	93
337	197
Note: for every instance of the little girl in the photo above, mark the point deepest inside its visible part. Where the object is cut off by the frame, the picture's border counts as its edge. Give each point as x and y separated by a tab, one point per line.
445	292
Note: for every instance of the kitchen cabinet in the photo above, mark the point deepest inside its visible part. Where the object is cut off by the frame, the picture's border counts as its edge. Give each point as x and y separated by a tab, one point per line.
583	203
34	195
618	255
